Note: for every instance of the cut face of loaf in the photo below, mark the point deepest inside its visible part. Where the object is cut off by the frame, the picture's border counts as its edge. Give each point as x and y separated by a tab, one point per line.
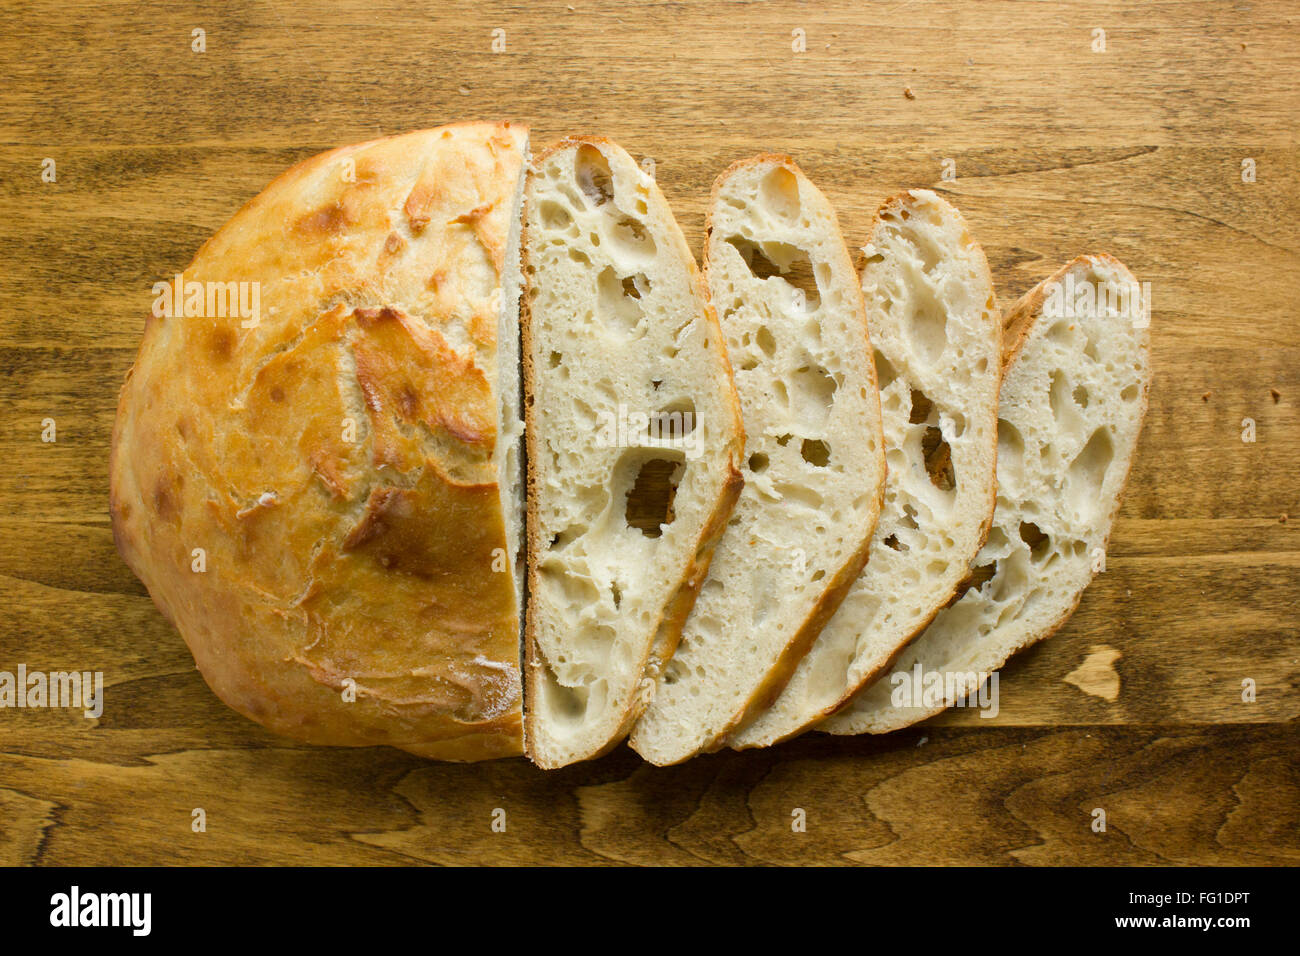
1073	397
935	329
791	313
634	444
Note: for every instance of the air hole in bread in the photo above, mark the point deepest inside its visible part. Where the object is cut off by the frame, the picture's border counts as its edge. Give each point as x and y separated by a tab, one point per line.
565	705
1130	392
633	238
616	593
636	286
650	499
921	408
555	359
675	422
938	459
780	260
620	312
577	255
909	517
1090	349
1080	396
816	452
977	578
815	388
928	329
1011	451
819	575
885	372
1062	403
562	539
1061	332
758	462
554	215
779	191
566	586
766	341
893	542
783	440
1038	542
1084	477
591	172
800	494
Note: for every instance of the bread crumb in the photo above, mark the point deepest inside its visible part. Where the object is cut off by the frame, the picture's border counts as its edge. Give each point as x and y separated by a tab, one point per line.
922	741
1283	519
464	90
1206	396
1277	396
907	91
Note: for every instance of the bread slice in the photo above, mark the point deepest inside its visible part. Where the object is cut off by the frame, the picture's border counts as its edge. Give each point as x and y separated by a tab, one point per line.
792	314
344	458
634	442
937	339
1073	397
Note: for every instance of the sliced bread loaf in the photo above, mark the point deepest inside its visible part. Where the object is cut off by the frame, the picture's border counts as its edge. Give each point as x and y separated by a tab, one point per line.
935	329
1073	397
634	441
792	314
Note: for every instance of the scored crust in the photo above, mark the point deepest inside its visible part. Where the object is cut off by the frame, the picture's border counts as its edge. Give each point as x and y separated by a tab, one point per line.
332	466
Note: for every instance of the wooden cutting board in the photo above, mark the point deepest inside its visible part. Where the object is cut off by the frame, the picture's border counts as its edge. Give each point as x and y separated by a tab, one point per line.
1165	134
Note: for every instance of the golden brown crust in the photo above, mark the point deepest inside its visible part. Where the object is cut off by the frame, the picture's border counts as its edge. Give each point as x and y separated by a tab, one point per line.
334	461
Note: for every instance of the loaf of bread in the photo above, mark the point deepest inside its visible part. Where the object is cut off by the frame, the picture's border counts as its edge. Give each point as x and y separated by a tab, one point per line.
792	315
317	464
320	488
634	444
1074	392
935	329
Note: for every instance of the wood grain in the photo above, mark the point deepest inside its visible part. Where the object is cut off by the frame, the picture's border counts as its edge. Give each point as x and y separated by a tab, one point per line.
1057	150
